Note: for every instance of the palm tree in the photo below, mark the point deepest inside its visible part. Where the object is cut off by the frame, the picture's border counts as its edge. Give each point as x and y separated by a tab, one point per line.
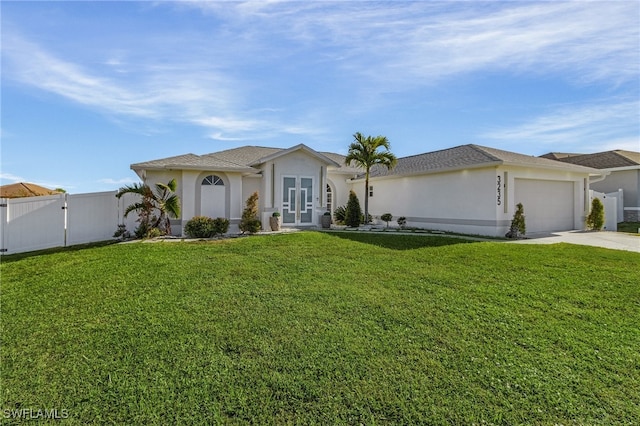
163	200
363	151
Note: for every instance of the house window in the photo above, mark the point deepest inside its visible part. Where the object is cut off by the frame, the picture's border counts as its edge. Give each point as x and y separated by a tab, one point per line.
212	180
329	199
371	191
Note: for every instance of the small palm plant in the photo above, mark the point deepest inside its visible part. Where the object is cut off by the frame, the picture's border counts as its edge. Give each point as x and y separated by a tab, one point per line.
155	208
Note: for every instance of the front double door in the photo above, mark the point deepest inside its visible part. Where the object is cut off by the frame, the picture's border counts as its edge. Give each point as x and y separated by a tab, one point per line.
297	200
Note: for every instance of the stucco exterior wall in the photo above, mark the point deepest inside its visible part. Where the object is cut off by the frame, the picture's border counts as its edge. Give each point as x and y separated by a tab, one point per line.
188	189
340	188
474	201
459	201
295	164
580	191
627	180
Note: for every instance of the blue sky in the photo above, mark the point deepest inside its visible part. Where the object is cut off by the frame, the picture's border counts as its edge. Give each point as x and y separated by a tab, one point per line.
90	87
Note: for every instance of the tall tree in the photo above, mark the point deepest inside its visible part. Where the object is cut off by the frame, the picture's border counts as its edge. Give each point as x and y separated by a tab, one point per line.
155	207
364	152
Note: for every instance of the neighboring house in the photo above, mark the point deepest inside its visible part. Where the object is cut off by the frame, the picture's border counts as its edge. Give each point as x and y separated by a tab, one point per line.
468	189
621	171
22	189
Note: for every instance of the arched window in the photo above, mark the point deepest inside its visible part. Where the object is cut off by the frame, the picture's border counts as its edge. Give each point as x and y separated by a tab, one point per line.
212	180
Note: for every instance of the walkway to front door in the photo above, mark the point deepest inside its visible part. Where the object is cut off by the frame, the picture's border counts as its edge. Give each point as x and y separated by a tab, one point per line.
297	200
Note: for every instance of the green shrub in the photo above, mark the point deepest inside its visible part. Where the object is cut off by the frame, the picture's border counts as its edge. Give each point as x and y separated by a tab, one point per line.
122	232
402	222
206	227
200	227
339	213
595	220
353	214
145	230
387	218
368	221
250	222
220	226
518	226
251	226
155	232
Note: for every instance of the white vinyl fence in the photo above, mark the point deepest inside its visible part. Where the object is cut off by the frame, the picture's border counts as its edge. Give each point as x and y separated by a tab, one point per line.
612	211
37	223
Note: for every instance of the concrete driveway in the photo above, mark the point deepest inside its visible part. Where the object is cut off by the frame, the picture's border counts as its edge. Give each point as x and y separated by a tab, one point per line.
605	239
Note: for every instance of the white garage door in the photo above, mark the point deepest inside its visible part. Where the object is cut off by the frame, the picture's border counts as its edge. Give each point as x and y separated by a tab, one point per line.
548	204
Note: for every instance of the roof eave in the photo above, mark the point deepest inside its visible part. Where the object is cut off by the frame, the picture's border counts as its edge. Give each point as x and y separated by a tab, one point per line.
136	167
300	147
561	166
622	169
433	171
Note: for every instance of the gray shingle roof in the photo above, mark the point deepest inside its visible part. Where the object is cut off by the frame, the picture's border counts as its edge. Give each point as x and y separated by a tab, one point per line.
244	155
231	159
467	156
460	157
605	160
237	159
339	158
558	155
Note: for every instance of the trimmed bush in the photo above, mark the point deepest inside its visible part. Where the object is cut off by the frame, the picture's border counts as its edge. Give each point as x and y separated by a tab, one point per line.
250	222
200	227
518	226
387	217
220	226
353	214
206	227
595	220
402	222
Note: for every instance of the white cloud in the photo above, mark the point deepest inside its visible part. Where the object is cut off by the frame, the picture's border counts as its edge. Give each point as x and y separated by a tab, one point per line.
123	181
208	79
183	92
591	127
424	42
586	40
11	177
218	136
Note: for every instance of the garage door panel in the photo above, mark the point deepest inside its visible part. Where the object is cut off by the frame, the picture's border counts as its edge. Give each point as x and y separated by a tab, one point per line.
548	205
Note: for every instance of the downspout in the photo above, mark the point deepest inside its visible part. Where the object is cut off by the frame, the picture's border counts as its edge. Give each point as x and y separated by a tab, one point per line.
602	176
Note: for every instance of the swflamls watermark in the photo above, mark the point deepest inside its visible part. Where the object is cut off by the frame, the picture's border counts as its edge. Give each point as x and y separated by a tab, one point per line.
35	413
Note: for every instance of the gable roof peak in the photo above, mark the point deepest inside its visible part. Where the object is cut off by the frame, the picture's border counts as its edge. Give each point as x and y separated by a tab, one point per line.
299	147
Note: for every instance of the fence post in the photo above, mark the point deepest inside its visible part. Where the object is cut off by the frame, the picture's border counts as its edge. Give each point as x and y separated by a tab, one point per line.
64	212
4	206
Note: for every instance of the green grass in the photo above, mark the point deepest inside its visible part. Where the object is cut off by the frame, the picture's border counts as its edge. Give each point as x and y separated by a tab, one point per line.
322	328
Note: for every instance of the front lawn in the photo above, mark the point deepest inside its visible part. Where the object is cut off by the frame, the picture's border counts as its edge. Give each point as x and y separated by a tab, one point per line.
322	328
